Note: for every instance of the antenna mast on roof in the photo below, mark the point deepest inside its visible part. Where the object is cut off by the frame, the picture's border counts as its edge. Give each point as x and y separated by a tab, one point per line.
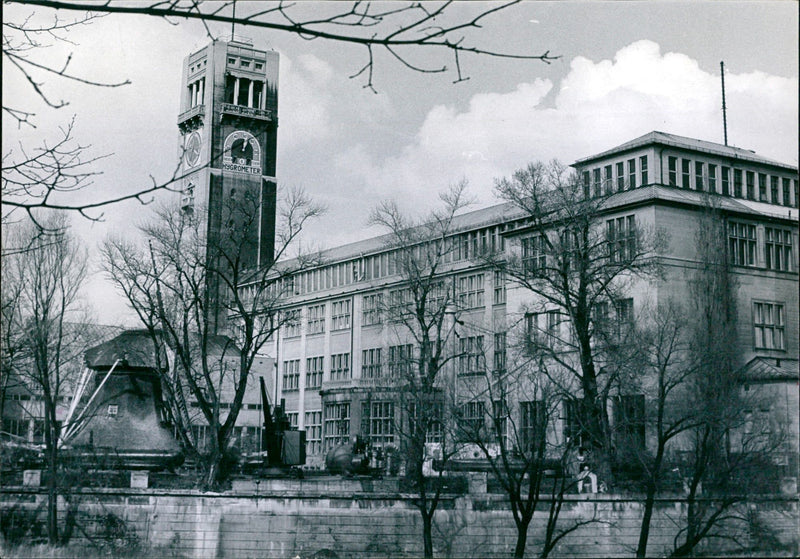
724	114
233	21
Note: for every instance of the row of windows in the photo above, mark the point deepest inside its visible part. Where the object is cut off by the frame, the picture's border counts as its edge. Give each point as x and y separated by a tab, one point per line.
743	247
721	179
468	291
603	181
245	63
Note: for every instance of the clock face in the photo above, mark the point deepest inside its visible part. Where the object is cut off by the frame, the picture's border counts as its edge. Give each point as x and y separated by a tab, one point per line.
192	150
241	153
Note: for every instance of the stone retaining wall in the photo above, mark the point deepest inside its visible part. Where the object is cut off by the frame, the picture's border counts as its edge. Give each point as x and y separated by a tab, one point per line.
289	519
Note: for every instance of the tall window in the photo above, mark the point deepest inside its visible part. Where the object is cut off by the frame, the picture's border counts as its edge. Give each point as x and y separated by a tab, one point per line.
762	187
292	328
773	188
742	244
291	375
316	319
571	424
430	420
685	173
725	178
313	427
340	366
607	179
751	185
371	309
532	430
737	183
620	176
624	311
587	184
500	418
643	168
377	422
698	176
400	359
778	249
499	353
337	424
471	358
632	173
473	420
768	325
621	236
470	291
598	182
534	256
499	288
629	417
340	315
787	188
315	367
712	178
543	328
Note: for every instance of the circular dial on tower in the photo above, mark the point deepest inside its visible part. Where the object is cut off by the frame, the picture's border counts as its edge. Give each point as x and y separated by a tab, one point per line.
241	153
192	149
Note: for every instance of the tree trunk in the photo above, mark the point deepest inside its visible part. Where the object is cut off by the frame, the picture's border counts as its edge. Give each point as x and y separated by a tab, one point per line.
644	531
52	494
522	539
427	534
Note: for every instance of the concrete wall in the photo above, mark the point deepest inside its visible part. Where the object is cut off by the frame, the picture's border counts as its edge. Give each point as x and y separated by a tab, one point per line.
301	518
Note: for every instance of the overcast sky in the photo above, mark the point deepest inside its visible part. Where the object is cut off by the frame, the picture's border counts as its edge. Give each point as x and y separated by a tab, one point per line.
626	68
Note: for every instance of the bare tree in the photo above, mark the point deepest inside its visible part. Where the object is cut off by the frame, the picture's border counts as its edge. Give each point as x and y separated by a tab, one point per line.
36	178
189	284
46	280
421	311
579	268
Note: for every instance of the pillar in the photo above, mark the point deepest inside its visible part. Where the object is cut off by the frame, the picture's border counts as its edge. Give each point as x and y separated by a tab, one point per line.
236	92
250	94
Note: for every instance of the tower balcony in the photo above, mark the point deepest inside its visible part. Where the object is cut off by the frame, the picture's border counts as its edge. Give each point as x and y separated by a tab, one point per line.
191	119
240	111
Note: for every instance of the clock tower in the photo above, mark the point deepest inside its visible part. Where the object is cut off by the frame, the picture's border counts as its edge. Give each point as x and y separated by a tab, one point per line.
228	132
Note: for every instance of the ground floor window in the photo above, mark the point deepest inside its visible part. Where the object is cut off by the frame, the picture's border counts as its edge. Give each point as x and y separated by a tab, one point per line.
337	424
313	425
377	422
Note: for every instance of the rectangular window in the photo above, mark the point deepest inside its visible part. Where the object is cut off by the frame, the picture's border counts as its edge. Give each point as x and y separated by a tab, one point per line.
751	185
371	309
621	238
471	358
313	426
778	249
316	319
399	300
377	422
500	418
787	188
631	173
607	178
430	419
292	323
725	178
571	424
533	428
371	363
534	256
773	190
643	170
698	176
473	415
629	421
598	183
401	358
712	178
340	367
291	375
737	183
337	424
587	184
624	312
672	171
543	329
620	176
499	353
340	315
499	288
742	244
315	367
470	291
762	187
686	165
768	325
